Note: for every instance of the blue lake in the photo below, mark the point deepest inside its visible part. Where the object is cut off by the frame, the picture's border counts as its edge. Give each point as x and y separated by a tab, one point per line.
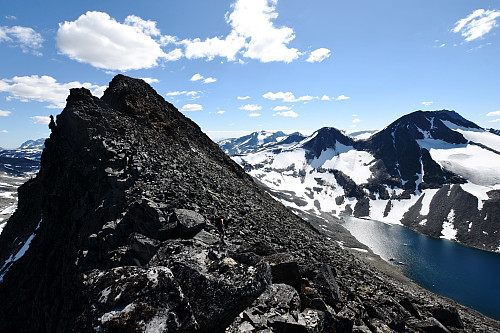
469	276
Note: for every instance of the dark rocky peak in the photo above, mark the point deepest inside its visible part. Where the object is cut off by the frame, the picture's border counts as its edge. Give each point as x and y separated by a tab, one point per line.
397	145
323	139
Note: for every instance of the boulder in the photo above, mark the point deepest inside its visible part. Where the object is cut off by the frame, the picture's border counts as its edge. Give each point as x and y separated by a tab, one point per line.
285	269
143	247
188	222
448	316
143	300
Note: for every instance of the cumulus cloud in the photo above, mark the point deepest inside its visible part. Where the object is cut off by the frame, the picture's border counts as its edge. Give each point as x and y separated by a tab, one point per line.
251	107
243	97
10	17
318	55
342	97
192	107
26	38
286	114
287	97
221	112
44	89
325	98
149	80
254	114
198	77
4	131
209	80
427	103
494	121
477	24
356	120
4	113
97	39
253	35
40	120
191	94
282	108
493	114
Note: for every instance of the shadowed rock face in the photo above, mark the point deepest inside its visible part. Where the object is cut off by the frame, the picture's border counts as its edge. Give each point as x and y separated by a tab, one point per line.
117	233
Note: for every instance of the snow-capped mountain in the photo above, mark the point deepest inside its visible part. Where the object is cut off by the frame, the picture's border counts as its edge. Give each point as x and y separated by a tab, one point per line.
434	172
257	140
31	149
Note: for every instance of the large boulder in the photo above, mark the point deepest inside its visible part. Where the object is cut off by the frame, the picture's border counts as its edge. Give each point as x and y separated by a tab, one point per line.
188	222
133	299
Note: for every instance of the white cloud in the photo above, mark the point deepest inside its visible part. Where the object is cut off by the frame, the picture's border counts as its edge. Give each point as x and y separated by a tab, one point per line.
354	115
253	35
173	55
287	97
212	47
26	38
97	39
221	112
282	108
142	26
427	103
356	120
4	113
192	107
477	24
494	121
196	77
209	80
192	94
287	114
44	89
251	107
325	98
10	17
4	131
41	120
243	98
149	80
254	114
319	55
342	97
493	114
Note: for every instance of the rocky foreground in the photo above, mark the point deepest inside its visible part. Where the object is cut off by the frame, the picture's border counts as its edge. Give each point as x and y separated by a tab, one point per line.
116	234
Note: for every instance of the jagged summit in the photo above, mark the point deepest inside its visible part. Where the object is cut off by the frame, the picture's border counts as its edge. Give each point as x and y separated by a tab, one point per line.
117	233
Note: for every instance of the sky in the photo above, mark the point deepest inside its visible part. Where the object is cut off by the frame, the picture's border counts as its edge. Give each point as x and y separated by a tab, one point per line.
238	66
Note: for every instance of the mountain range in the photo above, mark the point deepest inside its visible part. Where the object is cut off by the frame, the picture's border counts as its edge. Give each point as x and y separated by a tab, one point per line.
432	171
116	233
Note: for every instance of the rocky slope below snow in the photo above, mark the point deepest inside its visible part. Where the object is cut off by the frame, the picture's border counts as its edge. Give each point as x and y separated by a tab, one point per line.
116	234
434	172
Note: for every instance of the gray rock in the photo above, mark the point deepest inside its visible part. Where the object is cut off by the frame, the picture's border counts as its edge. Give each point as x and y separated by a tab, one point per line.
144	299
189	222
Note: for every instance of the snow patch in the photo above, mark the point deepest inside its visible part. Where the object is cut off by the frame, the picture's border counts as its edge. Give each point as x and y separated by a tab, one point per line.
13	258
449	232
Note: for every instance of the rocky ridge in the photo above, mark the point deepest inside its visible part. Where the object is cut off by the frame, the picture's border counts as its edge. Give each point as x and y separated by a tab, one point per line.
116	233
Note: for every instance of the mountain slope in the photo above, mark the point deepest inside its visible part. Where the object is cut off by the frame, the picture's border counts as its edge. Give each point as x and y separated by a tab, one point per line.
116	233
434	172
257	140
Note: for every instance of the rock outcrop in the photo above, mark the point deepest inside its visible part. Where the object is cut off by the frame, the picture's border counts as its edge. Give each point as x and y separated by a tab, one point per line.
116	233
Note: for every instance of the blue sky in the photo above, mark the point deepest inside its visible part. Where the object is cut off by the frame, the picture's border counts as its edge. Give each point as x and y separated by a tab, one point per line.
245	65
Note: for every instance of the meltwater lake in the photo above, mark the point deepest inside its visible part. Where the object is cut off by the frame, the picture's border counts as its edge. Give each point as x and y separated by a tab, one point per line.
470	277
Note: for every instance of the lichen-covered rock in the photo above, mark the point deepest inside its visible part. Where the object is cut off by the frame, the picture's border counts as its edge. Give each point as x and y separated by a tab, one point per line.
133	299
